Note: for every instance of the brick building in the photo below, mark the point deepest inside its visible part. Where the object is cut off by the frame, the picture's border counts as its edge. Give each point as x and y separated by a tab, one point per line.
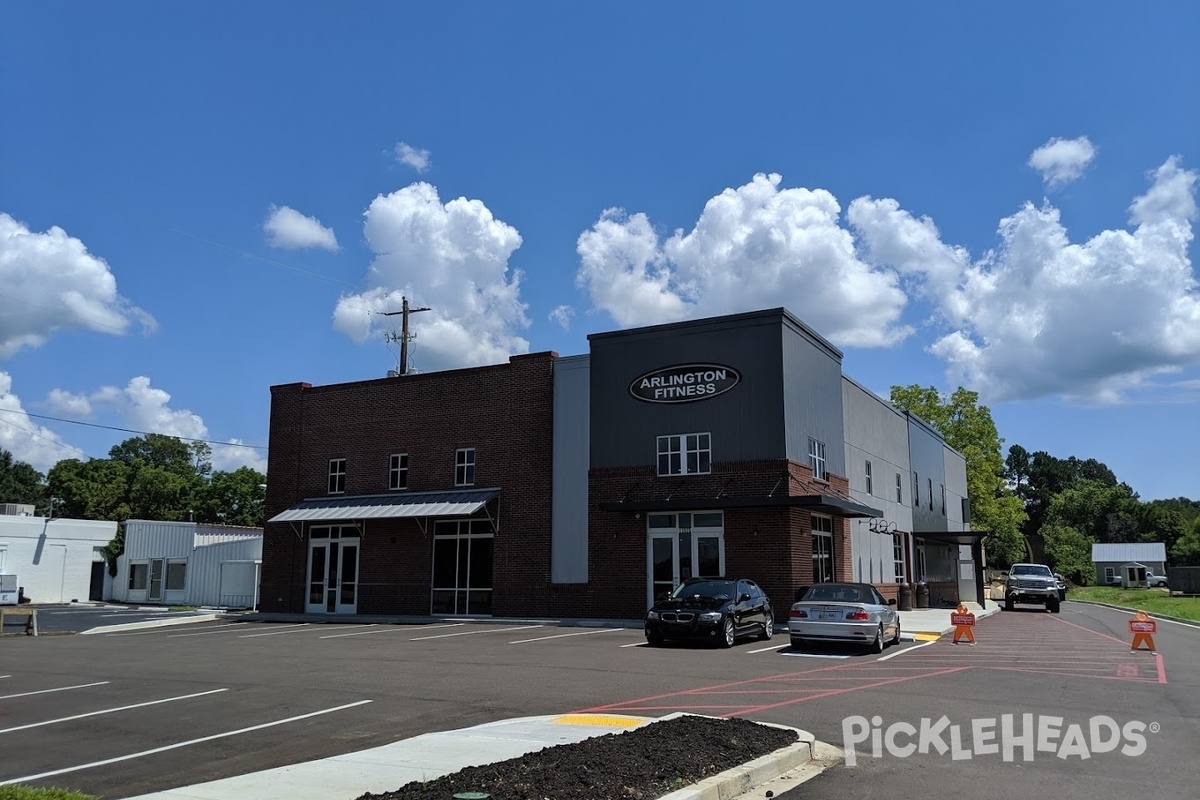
588	485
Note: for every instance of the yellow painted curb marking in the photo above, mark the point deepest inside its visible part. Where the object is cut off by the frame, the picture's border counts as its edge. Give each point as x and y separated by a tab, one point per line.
927	637
599	719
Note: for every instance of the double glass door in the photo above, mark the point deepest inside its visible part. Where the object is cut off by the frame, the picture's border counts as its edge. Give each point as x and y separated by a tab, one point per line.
333	571
682	546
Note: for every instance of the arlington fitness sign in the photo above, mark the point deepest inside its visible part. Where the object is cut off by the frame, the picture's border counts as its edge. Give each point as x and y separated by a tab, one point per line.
684	383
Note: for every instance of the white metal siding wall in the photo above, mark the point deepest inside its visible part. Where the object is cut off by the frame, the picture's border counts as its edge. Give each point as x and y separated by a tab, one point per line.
204	568
181	541
52	559
147	539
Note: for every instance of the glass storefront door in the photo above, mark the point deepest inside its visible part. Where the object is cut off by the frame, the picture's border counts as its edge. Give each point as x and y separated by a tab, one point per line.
332	570
682	546
462	567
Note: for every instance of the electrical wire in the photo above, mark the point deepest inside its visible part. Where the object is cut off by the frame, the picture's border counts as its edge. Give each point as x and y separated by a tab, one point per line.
131	430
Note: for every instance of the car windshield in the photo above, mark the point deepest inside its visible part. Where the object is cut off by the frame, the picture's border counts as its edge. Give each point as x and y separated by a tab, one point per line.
834	593
712	590
1031	569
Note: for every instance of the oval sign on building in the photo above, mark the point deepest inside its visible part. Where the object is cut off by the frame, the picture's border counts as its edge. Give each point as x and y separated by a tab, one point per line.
684	383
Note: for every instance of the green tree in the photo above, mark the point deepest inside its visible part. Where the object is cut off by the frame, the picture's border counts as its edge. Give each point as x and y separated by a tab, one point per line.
92	489
1100	512
968	428
1186	552
233	498
21	483
1070	553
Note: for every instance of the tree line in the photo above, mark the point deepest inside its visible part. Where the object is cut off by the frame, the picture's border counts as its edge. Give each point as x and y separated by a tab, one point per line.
1032	505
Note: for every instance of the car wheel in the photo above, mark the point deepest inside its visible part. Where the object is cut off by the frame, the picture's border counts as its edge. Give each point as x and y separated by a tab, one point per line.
655	639
798	644
768	628
728	633
1052	607
896	638
1008	605
878	645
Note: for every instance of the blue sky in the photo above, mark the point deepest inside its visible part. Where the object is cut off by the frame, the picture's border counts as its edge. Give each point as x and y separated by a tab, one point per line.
201	200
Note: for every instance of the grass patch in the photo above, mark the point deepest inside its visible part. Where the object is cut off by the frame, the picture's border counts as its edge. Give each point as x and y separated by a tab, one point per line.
30	793
1152	601
180	608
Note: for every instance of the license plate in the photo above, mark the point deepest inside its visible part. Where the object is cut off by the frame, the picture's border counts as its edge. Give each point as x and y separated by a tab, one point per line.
830	615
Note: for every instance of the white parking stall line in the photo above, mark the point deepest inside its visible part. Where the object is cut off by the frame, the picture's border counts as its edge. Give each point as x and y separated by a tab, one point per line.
141	613
110	711
813	655
209	631
392	629
48	691
564	635
177	745
768	649
5	676
633	644
906	650
276	632
471	633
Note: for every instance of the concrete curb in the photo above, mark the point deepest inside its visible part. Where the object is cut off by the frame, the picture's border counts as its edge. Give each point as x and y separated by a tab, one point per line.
154	623
909	636
753	774
1193	623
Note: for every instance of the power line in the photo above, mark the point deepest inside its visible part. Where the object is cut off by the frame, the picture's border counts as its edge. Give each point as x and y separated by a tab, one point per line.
130	430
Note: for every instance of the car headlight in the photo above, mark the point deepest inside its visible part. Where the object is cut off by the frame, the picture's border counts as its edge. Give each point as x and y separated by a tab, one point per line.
710	616
652	615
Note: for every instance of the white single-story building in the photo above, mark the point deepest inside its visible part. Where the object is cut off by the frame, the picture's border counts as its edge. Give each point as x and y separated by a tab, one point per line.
55	560
189	563
1110	559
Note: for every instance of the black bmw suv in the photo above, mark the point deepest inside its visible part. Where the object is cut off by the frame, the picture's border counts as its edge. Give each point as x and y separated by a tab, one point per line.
718	610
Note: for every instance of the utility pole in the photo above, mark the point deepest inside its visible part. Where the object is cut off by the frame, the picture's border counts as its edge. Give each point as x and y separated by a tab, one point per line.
404	335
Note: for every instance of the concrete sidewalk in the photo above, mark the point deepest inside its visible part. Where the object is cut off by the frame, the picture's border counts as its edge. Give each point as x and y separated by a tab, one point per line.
423	758
927	624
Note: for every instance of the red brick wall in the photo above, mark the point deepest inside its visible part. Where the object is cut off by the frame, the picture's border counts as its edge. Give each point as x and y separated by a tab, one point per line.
504	411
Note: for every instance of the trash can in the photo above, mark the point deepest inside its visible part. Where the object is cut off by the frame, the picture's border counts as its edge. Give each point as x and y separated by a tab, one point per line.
905	597
922	595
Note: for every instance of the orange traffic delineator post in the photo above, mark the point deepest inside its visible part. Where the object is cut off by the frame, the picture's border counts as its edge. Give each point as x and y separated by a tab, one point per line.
964	623
1143	629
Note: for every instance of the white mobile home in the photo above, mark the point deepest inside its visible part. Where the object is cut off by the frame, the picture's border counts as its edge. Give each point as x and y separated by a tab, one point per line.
189	563
54	560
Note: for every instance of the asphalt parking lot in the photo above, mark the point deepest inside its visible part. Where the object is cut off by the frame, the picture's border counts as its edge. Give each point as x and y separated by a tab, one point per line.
129	712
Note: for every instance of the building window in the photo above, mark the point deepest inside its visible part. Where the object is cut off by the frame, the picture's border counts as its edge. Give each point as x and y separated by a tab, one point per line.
898	555
822	549
138	575
943	499
176	575
870	484
464	466
899	489
337	475
931	494
1110	574
916	490
685	454
816	458
398	471
920	560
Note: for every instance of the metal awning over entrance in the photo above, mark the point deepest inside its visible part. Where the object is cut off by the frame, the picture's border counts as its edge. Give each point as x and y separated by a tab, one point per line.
821	503
951	537
459	503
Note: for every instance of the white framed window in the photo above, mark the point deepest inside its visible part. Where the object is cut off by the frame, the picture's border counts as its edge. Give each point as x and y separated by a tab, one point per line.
685	454
1110	574
916	490
822	549
176	575
139	576
870	482
337	476
899	489
816	459
898	555
464	466
398	471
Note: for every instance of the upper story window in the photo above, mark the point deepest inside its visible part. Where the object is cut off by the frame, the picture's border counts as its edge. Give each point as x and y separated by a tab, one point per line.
916	490
464	466
337	475
870	486
685	454
899	489
943	499
931	494
398	471
898	555
816	459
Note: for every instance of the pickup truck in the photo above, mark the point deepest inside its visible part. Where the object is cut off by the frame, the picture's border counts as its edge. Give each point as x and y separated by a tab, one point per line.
1032	584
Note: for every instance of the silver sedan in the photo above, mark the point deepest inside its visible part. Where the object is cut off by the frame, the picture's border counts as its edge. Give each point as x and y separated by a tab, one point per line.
844	612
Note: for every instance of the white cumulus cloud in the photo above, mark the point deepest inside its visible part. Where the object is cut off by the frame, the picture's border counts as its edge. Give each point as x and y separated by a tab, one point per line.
1063	160
414	157
287	228
49	282
562	315
756	246
451	258
24	437
1041	315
